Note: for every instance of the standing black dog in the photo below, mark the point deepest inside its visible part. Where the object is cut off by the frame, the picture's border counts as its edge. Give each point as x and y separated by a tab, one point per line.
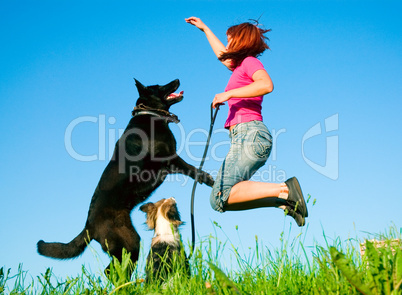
143	157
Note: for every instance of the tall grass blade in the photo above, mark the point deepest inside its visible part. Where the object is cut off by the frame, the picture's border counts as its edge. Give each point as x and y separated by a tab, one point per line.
3	279
349	271
225	282
397	274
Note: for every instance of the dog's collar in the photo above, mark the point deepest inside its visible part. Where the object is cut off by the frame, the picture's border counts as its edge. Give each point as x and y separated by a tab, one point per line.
142	109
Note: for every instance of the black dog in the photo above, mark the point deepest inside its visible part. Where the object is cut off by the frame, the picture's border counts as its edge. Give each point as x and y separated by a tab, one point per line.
167	254
143	157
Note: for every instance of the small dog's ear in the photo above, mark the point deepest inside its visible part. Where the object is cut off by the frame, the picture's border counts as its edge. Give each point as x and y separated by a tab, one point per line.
150	209
146	207
142	90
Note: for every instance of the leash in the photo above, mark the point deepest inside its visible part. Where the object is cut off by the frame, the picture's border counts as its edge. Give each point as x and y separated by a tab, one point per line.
211	127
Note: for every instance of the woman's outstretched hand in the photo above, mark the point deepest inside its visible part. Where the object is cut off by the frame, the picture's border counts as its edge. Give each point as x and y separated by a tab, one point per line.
195	21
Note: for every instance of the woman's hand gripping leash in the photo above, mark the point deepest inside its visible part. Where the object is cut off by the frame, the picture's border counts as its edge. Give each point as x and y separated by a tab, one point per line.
211	127
219	100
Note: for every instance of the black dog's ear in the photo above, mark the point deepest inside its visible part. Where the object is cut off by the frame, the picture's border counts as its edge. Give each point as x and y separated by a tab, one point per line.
142	90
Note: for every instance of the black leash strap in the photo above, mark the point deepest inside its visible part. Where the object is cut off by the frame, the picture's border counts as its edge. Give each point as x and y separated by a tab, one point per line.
211	127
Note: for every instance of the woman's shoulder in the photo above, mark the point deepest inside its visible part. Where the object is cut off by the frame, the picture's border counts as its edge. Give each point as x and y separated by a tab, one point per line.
251	60
251	64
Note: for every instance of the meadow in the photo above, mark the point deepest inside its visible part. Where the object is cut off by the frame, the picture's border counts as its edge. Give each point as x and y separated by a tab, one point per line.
373	266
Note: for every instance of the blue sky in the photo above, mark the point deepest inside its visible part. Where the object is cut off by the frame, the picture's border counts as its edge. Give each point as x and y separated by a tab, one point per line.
335	113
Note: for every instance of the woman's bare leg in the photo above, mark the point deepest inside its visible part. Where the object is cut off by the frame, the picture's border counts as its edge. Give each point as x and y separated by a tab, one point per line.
252	194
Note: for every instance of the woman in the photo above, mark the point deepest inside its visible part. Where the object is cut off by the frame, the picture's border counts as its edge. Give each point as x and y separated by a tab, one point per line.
251	142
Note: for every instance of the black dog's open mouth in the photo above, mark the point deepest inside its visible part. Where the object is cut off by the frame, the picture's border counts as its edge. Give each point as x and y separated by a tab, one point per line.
175	97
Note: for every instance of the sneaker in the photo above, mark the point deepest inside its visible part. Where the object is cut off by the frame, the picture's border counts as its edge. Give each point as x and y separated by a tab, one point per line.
295	198
296	216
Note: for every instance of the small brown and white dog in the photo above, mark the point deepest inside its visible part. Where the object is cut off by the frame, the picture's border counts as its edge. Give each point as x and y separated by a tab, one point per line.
167	254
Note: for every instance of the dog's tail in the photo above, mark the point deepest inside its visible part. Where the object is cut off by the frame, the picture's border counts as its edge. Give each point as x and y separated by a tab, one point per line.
65	251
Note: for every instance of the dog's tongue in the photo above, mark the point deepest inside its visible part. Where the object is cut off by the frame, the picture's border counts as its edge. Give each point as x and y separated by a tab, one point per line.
175	95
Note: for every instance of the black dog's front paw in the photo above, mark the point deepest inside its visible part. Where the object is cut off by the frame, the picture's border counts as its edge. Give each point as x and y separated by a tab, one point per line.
206	178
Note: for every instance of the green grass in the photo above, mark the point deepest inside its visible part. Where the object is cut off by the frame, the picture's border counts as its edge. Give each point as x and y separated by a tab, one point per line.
336	268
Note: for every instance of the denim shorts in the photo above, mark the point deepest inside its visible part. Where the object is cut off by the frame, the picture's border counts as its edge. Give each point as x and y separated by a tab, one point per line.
251	144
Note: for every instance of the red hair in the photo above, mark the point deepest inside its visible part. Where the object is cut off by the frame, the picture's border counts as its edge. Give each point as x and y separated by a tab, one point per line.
247	39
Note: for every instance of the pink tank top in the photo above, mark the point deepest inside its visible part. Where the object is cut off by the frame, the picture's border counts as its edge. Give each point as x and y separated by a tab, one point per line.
244	109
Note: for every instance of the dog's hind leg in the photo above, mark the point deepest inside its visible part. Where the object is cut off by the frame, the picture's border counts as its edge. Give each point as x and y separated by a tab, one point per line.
120	237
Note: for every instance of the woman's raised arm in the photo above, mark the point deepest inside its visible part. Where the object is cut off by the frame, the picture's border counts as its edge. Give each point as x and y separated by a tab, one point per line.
216	45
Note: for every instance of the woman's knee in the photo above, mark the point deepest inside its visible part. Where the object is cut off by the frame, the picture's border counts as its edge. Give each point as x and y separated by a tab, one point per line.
219	199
